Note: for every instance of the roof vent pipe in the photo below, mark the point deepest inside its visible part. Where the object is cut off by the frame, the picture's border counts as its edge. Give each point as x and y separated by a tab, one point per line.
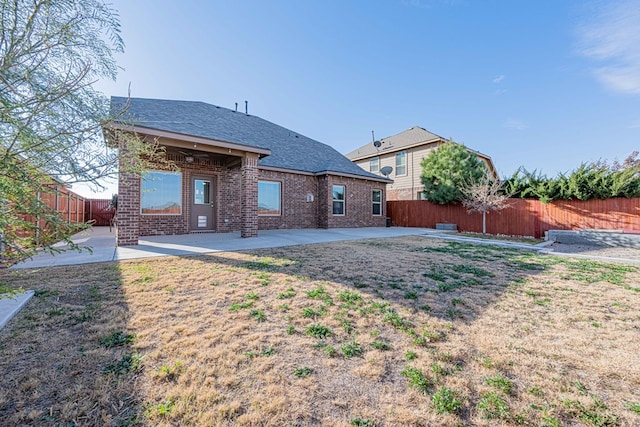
236	107
246	107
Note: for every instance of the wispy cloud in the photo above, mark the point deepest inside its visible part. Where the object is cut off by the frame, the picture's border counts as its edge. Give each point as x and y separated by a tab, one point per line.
498	79
515	124
611	37
634	125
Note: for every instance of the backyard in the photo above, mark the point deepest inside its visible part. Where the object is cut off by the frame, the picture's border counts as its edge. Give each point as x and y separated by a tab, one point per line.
377	332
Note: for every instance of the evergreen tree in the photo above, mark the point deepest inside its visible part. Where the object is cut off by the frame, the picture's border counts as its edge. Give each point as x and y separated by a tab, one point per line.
448	169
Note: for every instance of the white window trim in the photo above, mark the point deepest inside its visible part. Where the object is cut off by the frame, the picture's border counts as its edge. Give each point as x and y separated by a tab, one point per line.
344	201
376	203
406	170
280	202
377	159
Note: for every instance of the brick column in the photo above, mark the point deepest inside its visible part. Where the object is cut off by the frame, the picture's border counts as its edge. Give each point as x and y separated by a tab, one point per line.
128	215
249	196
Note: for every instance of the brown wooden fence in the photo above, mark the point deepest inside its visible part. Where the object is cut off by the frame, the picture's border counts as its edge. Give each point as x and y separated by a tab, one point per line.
97	211
69	204
523	217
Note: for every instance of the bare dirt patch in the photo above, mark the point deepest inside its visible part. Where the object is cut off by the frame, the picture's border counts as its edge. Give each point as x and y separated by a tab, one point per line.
385	332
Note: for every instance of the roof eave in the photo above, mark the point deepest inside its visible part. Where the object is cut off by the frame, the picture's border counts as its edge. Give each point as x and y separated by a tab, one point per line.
188	138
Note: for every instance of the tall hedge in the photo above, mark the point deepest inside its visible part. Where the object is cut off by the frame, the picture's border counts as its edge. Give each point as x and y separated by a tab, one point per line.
596	180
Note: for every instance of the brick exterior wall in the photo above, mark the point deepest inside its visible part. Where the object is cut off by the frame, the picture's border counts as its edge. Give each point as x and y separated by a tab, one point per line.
358	203
236	201
296	211
128	216
249	196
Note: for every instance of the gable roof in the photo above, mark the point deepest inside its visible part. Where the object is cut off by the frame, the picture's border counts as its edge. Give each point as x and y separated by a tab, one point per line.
410	137
289	149
413	137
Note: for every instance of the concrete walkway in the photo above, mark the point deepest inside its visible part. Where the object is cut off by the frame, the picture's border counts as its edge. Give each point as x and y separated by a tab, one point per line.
103	243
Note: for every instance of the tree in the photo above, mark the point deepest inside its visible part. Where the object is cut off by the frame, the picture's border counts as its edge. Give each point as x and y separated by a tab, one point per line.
484	196
51	52
447	169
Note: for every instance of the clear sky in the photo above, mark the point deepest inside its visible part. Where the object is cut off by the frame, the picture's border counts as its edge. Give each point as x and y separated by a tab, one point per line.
540	84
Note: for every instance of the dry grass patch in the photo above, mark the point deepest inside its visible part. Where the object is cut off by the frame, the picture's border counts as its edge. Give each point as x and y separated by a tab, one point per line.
403	331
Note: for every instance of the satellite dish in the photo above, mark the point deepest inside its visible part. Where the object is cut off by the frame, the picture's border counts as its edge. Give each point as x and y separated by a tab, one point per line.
377	144
386	171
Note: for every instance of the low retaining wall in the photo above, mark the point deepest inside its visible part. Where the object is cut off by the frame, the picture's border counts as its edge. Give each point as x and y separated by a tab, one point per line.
615	238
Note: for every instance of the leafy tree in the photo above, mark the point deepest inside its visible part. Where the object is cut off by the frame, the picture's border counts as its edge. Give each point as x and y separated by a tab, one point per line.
51	52
447	169
485	195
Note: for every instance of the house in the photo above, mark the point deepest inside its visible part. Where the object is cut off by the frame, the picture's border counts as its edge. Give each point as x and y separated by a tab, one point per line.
236	172
404	153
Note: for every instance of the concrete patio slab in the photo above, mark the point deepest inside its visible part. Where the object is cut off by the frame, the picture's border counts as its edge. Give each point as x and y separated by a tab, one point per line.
102	243
10	305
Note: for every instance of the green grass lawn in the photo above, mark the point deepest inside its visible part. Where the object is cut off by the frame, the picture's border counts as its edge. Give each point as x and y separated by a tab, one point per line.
381	332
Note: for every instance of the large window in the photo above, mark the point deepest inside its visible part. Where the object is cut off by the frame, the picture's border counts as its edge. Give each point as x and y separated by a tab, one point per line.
268	198
401	163
161	193
377	202
338	199
374	165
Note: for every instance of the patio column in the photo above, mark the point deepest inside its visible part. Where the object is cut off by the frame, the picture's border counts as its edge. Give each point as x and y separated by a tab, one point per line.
128	213
249	196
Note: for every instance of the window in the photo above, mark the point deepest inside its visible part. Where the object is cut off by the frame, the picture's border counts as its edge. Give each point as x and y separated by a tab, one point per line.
201	192
161	193
338	199
401	163
374	165
377	202
422	195
269	198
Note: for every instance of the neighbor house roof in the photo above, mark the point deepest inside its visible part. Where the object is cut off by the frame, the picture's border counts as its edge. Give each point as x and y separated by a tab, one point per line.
289	149
414	137
410	137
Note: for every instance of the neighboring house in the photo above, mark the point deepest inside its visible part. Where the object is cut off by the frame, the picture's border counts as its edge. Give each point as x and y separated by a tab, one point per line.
404	153
236	172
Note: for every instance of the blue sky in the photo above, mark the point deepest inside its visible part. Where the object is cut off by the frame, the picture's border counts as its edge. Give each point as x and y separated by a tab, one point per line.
540	84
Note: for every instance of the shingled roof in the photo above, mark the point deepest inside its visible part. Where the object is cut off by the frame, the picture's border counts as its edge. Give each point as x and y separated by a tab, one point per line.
289	149
414	136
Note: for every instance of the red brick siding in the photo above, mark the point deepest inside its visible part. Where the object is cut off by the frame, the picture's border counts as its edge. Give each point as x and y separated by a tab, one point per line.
296	212
236	194
128	205
358	203
249	196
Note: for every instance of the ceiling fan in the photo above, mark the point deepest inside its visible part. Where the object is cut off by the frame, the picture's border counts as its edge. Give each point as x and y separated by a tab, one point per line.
190	156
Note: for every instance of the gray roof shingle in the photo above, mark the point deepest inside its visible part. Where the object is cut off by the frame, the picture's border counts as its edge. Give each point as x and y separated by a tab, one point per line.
409	137
289	149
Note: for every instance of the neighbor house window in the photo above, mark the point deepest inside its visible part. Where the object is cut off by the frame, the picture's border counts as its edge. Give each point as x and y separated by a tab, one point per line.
377	202
401	163
338	199
161	193
374	165
269	198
